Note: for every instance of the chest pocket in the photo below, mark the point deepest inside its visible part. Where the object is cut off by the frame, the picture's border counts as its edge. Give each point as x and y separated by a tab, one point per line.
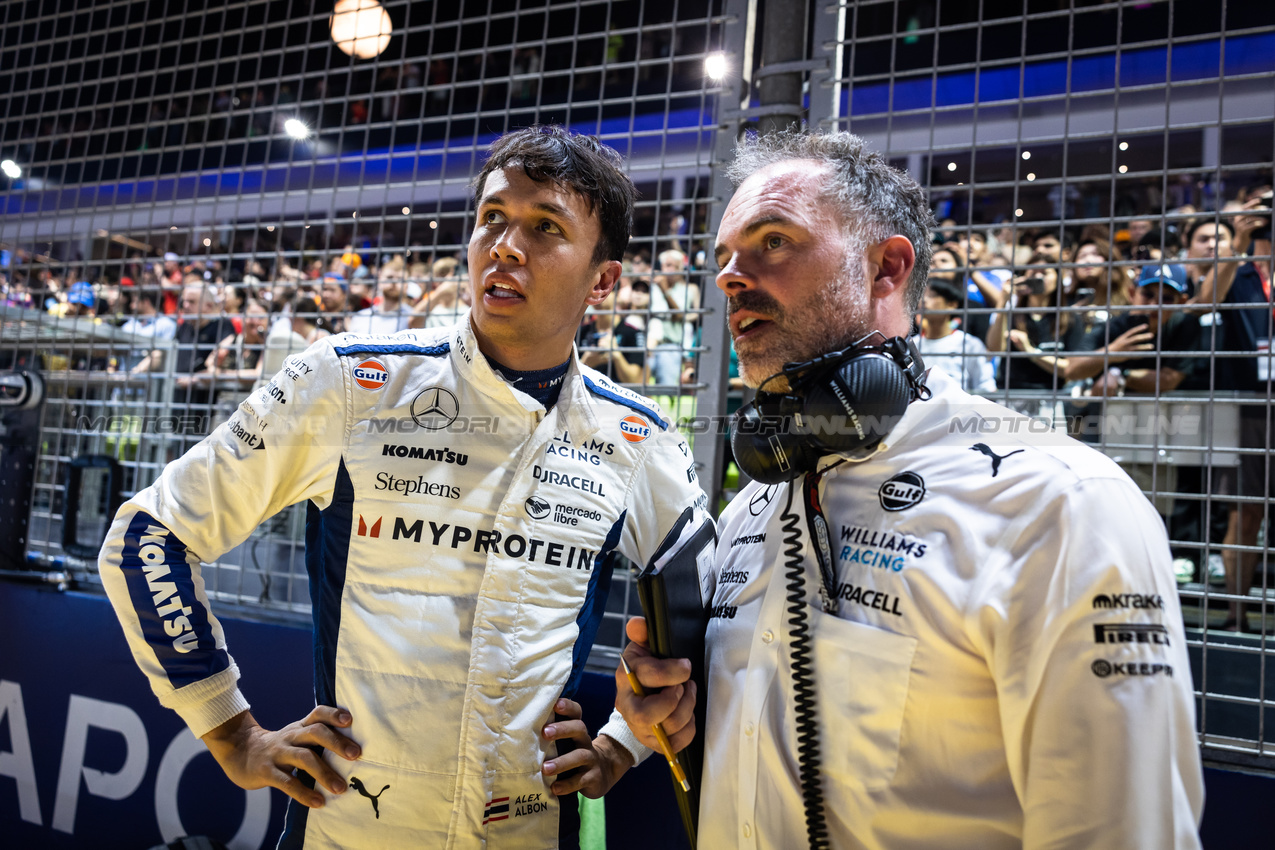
862	674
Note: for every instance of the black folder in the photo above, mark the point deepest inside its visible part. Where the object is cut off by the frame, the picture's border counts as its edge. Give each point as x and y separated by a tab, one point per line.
676	596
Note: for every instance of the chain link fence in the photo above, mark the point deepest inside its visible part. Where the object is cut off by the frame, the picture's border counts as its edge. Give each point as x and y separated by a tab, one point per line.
196	194
237	167
1101	173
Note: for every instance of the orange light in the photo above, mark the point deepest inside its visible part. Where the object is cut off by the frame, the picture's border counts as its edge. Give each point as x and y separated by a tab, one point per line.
360	28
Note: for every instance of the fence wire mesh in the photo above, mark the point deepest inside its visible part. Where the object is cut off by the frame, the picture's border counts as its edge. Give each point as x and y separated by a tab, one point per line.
198	193
214	166
1071	152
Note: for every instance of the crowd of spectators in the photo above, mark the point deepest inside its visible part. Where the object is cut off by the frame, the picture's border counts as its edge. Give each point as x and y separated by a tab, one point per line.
200	334
1048	321
1052	322
1100	312
229	327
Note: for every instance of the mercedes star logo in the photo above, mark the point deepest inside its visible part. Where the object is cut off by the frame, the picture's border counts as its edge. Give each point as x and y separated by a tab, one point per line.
435	408
759	502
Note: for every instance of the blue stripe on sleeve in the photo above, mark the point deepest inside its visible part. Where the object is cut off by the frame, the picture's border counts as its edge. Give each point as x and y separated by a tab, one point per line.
393	348
627	402
161	586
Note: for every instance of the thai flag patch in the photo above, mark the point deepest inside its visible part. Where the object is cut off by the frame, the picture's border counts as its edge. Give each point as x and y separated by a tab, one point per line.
497	809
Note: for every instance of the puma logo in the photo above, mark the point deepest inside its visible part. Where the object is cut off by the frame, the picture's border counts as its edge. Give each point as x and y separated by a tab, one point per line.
357	785
996	459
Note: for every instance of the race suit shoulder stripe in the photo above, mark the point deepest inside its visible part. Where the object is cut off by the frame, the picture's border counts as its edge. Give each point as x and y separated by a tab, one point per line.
611	394
172	615
327	550
392	348
595	603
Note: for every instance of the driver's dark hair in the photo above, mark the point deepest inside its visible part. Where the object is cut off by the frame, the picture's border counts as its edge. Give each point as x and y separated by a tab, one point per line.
579	163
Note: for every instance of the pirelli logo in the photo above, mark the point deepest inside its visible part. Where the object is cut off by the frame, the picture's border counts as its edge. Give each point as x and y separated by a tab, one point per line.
497	809
1107	633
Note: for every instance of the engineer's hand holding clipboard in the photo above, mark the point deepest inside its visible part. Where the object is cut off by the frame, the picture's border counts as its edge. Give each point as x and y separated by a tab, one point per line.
667	650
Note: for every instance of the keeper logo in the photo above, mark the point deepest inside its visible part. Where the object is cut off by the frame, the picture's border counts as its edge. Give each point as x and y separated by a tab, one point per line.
1104	669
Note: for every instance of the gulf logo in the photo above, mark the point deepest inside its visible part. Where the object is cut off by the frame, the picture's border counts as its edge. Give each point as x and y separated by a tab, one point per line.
634	429
371	374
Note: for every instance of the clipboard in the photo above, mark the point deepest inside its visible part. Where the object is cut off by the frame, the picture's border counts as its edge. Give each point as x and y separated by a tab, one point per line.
675	590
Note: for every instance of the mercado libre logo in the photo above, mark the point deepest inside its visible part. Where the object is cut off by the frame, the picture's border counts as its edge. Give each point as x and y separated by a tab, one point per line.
634	429
537	508
371	374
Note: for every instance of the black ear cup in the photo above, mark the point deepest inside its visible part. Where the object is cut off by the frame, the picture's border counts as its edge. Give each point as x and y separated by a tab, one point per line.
855	405
847	404
768	445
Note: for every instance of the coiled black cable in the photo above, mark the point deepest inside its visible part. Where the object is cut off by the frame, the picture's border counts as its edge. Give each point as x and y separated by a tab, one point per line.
803	679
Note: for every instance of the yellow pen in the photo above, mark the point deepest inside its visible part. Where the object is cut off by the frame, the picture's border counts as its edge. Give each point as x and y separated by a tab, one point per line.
665	746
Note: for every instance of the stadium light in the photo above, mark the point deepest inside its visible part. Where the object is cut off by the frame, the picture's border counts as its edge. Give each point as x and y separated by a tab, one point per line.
715	66
11	169
296	129
360	28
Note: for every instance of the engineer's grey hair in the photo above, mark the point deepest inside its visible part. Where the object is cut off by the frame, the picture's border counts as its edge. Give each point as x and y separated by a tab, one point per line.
876	200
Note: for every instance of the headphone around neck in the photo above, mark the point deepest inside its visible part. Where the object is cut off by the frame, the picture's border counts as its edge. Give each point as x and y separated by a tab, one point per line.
844	402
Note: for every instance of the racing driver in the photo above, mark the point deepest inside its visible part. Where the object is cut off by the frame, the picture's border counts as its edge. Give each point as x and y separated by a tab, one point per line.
466	486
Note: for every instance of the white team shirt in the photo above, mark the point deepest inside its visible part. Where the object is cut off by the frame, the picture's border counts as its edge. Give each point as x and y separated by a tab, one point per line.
961	356
372	320
1008	668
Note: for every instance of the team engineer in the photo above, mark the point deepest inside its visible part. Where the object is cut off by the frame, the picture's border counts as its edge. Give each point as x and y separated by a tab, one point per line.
466	486
1005	666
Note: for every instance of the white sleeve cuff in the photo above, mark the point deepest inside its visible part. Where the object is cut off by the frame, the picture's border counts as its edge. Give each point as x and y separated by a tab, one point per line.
617	730
206	705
